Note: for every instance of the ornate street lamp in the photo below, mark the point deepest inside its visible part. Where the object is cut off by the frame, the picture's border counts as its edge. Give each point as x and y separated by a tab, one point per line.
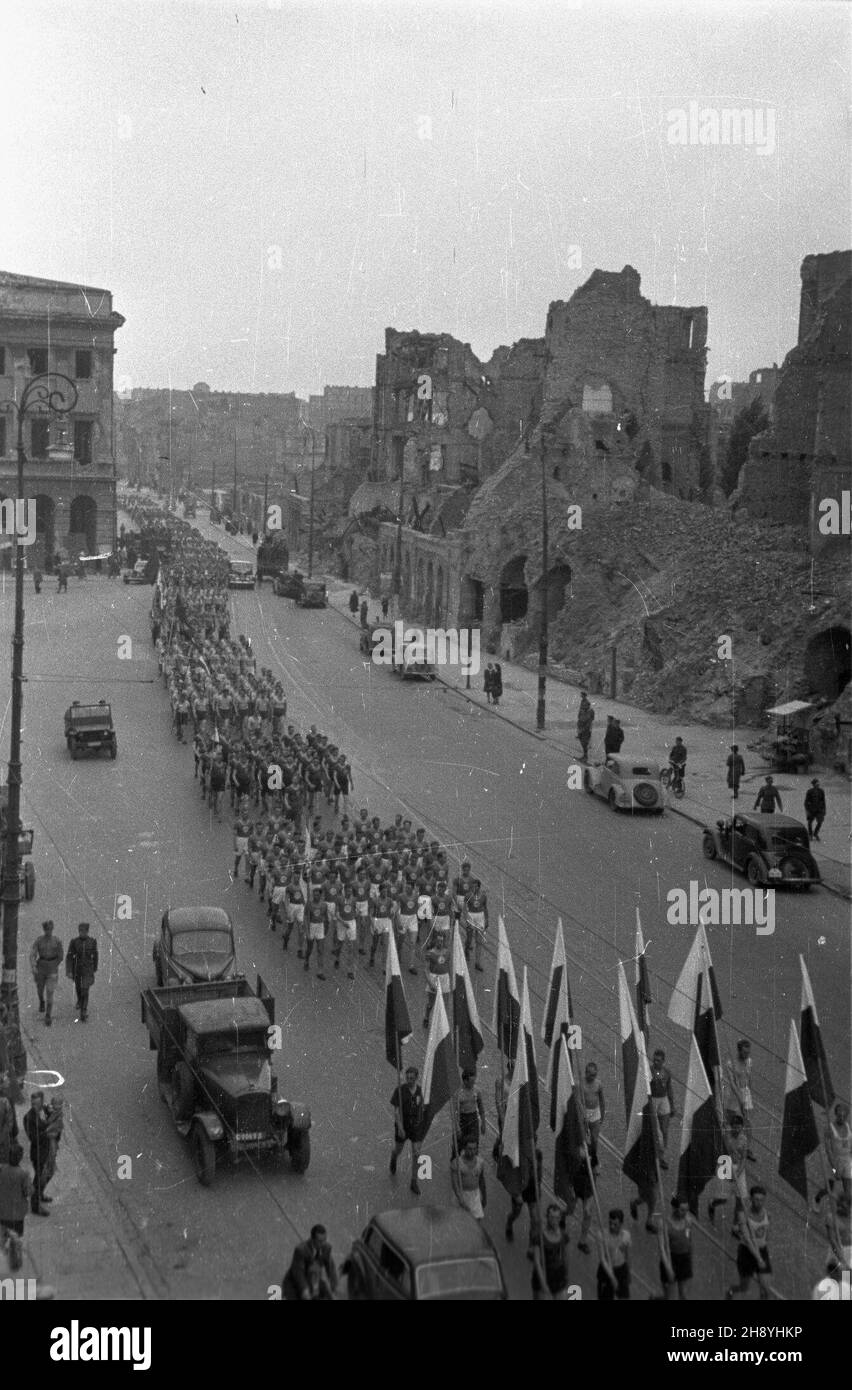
49	393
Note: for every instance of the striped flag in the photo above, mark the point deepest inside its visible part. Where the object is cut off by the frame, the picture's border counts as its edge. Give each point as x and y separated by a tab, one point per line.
570	1125
507	1001
560	1025
695	1004
529	1048
701	1134
557	1013
397	1019
640	1152
466	1025
643	984
515	1168
440	1070
799	1135
813	1051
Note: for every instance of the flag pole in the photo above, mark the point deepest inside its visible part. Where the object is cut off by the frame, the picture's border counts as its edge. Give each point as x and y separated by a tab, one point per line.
605	1261
665	1248
832	1205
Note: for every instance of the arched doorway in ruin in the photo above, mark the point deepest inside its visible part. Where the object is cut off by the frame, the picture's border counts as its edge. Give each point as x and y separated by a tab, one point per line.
514	598
558	580
828	664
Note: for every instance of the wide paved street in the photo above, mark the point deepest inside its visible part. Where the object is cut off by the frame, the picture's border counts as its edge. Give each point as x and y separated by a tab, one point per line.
137	826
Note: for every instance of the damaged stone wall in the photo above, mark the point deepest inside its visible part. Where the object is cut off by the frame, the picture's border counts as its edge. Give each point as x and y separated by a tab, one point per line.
614	355
811	426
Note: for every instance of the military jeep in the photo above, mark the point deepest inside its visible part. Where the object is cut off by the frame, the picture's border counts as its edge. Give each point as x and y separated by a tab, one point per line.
90	728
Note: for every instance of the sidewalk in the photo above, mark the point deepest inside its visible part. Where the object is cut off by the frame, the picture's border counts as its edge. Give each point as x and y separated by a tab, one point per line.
85	1248
707	796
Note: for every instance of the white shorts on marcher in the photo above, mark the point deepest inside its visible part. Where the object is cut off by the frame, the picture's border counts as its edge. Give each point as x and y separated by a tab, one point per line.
408	923
381	926
345	929
316	931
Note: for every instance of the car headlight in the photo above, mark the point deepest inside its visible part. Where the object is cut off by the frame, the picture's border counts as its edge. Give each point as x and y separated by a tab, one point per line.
282	1107
775	873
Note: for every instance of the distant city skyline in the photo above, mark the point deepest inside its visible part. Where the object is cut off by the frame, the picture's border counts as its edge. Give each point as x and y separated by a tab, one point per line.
264	189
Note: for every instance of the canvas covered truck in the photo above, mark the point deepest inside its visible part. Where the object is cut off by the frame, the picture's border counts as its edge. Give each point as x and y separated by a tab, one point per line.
214	1044
273	556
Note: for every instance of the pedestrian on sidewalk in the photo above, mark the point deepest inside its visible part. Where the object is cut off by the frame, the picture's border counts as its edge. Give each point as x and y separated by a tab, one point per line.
497	683
613	736
585	720
407	1105
488	682
768	798
736	769
35	1128
45	959
37	579
15	1192
385	606
814	808
363	613
81	966
353	602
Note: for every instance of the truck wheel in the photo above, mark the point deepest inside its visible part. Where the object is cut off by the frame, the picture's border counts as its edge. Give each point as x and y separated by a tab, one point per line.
29	882
183	1093
300	1149
613	804
356	1289
203	1155
587	782
754	873
113	750
708	845
72	748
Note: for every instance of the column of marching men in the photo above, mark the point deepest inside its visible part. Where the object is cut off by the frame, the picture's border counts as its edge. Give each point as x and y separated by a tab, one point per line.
374	893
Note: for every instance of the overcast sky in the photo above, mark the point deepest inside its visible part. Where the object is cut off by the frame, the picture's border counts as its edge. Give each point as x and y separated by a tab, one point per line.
265	187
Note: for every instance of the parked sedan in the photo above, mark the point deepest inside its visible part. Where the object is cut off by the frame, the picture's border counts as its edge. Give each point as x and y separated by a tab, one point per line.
627	784
138	575
195	944
770	850
424	1254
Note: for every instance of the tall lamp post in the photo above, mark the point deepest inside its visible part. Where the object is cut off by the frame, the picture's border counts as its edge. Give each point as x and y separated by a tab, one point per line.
49	393
309	429
543	629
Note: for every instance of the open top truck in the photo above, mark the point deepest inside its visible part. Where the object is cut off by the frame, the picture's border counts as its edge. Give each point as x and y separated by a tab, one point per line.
214	1044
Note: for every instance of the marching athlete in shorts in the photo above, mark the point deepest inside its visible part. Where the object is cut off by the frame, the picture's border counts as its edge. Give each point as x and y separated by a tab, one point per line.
752	1252
476	922
277	899
242	830
407	926
363	910
316	932
294	908
381	925
346	934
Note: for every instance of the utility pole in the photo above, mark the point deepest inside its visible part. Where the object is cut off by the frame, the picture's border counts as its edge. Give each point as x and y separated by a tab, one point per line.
543	631
213	482
48	393
265	499
235	473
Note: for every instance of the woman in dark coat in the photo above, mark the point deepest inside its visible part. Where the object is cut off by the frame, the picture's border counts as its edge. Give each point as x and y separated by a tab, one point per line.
497	683
488	682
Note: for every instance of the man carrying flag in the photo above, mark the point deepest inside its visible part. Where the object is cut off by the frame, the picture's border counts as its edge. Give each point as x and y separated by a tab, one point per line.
397	1019
407	1102
695	1005
572	1174
518	1168
440	1069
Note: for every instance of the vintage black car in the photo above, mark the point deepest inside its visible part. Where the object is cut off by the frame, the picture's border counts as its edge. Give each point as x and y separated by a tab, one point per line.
195	943
771	850
313	594
425	1254
89	728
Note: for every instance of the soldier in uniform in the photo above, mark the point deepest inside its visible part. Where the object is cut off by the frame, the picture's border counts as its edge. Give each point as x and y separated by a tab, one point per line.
81	964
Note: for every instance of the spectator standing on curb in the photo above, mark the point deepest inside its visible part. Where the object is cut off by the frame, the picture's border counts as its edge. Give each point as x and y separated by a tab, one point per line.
8	1120
45	959
814	808
363	613
81	966
15	1192
35	1128
585	720
768	798
736	769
